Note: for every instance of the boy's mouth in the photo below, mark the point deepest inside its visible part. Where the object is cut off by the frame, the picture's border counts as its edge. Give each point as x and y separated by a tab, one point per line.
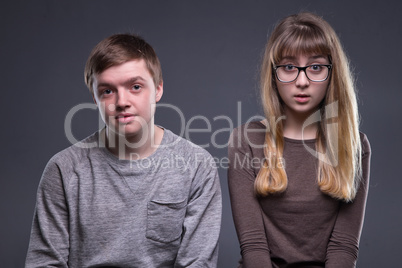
124	117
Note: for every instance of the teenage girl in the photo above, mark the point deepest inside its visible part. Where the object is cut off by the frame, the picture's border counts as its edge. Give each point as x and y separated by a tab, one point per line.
299	179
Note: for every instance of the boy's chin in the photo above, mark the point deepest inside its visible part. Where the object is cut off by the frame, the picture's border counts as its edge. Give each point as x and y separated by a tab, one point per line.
125	132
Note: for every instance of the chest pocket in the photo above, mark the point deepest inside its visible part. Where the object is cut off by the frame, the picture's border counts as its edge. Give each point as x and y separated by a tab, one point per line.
165	220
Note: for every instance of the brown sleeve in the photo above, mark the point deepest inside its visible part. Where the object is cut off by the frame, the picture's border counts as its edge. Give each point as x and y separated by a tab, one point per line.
343	246
246	210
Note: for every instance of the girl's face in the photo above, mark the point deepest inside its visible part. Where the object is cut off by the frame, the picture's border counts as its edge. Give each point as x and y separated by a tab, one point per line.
302	97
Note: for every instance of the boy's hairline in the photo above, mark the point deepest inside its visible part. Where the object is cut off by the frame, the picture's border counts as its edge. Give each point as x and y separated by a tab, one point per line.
91	86
149	56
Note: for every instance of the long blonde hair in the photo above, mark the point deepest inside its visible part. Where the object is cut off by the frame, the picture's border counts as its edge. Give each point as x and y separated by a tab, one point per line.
308	33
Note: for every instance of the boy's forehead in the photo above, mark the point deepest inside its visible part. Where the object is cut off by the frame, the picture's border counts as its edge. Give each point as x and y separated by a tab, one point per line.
133	70
133	62
136	66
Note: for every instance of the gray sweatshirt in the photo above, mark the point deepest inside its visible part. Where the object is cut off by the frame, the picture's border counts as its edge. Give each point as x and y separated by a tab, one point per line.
94	210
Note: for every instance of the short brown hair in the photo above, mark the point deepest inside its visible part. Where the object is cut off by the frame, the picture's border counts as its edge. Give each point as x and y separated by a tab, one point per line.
118	49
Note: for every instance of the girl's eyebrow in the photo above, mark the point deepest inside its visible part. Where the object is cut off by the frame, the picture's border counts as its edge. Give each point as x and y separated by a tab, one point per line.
317	57
288	58
313	57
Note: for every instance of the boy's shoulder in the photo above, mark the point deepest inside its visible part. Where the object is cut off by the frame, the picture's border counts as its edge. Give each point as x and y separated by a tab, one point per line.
179	146
74	154
63	164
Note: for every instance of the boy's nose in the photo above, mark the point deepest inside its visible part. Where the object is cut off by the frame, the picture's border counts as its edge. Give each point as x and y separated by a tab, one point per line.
122	100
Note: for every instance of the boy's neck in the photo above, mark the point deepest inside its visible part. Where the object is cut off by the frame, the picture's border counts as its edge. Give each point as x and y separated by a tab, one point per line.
134	147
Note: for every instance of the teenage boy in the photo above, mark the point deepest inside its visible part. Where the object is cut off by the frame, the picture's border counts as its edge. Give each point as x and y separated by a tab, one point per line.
132	194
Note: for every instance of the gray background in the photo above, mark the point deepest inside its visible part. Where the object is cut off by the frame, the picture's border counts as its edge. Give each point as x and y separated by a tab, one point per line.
210	53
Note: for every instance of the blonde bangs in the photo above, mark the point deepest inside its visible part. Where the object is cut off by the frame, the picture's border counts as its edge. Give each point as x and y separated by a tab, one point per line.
300	41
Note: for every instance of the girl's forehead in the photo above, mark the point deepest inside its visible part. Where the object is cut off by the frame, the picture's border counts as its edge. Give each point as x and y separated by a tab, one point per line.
301	46
303	57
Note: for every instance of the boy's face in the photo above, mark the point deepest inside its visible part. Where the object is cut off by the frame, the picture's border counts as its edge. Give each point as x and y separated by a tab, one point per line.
126	97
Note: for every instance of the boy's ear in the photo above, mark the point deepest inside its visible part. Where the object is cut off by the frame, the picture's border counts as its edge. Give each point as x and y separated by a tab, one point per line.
159	92
93	97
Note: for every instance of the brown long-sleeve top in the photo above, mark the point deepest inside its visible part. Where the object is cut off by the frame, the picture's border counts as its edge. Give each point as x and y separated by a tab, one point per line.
301	227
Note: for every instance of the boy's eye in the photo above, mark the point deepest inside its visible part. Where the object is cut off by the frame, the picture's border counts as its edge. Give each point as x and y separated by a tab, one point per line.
136	87
107	91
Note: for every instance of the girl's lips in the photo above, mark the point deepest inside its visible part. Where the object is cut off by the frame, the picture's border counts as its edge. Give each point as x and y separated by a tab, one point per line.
302	98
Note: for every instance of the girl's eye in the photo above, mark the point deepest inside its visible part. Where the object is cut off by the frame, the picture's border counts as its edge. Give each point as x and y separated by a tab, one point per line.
136	87
316	68
289	68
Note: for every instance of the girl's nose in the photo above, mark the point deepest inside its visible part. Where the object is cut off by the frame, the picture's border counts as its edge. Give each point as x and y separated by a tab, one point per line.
302	80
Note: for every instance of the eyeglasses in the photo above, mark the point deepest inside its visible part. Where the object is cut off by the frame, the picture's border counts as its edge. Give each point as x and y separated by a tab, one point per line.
315	72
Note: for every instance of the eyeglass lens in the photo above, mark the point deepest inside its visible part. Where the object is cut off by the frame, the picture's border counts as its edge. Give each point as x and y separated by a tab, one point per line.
288	73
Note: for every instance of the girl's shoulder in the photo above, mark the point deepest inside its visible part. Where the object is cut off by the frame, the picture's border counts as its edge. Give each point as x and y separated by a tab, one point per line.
366	147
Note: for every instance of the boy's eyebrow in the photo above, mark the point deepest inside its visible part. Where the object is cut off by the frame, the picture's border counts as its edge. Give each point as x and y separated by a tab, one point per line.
128	82
133	80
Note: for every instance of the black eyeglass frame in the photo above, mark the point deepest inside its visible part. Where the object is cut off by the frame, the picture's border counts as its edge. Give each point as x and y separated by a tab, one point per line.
329	66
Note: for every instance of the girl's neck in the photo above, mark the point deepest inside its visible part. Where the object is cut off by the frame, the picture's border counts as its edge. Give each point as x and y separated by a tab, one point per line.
296	127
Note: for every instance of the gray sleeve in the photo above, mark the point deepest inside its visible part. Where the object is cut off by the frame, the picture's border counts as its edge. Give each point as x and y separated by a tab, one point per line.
199	245
49	241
